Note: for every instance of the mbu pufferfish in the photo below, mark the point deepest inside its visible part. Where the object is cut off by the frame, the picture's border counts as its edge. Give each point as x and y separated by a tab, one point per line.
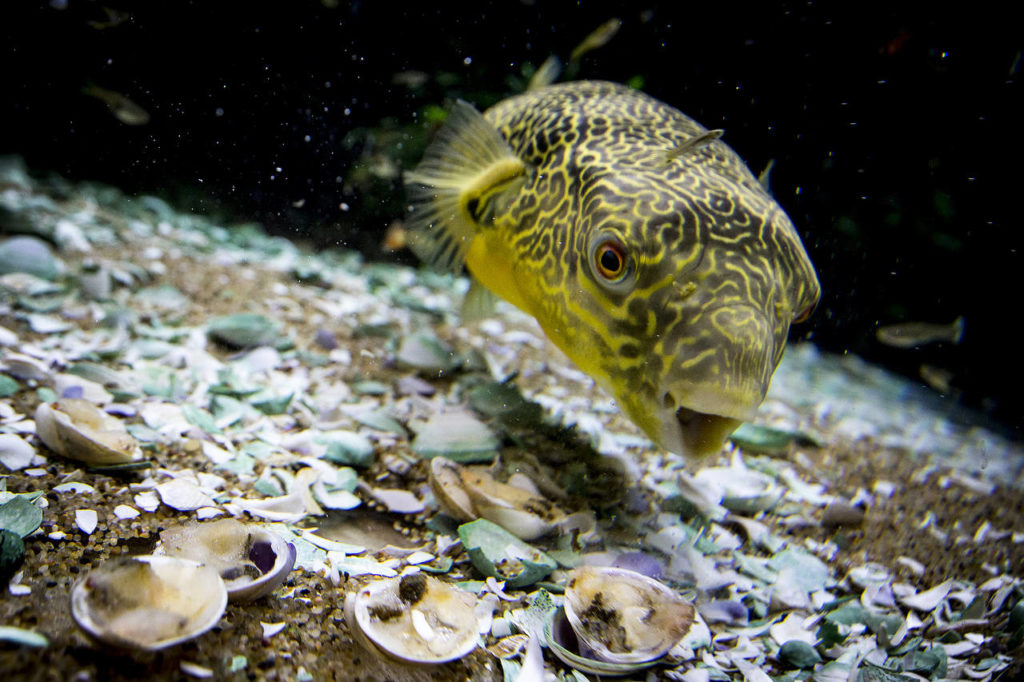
642	244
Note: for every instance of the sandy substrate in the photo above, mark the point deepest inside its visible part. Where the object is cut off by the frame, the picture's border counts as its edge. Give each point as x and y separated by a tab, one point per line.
925	516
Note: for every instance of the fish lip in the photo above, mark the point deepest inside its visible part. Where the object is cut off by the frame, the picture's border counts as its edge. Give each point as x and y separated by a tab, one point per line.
699	433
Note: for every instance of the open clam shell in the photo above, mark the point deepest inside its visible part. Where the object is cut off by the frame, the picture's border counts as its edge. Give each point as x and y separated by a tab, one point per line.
621	616
77	429
468	493
148	602
414	619
251	560
563	643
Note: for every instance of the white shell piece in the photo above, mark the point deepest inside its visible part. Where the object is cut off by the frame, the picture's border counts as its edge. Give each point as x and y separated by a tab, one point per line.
415	618
26	368
90	390
929	599
183	495
7	337
15	453
77	429
398	501
195	670
148	602
123	511
741	489
147	500
286	508
334	499
271	629
624	616
47	324
86	520
75	488
419	557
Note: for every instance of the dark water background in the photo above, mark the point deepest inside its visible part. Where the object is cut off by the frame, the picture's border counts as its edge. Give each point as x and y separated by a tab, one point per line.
895	132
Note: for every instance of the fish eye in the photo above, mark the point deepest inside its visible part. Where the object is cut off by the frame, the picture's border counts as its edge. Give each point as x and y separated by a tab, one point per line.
609	260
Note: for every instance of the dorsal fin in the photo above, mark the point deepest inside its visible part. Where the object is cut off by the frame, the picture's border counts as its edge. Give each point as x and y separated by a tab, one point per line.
452	189
693	144
596	38
765	176
546	74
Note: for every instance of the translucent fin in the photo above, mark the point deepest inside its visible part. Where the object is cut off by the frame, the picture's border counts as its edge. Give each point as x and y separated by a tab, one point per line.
957	330
479	303
465	167
765	177
693	144
546	74
598	38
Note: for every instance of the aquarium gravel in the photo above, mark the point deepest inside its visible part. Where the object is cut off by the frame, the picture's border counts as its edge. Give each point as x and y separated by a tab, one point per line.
868	527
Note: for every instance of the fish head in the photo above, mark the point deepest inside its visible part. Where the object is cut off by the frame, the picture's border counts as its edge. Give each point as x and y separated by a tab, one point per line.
683	301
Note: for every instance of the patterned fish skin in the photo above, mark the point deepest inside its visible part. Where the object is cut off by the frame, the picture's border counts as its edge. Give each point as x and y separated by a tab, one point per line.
689	333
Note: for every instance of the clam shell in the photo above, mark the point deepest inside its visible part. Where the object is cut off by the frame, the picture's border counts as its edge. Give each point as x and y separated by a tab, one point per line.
414	619
449	490
468	493
77	429
148	602
563	643
251	560
621	616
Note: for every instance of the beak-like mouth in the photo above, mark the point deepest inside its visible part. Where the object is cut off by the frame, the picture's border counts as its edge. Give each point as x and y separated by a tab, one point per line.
698	433
719	382
701	434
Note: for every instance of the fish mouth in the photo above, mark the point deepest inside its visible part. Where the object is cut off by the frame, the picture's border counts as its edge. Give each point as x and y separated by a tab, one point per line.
719	382
699	434
702	432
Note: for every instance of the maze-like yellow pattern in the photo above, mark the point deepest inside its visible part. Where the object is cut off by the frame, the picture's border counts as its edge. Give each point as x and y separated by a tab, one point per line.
714	272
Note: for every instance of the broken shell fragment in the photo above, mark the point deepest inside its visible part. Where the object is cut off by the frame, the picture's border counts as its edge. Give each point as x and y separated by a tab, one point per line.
740	489
77	429
148	602
414	619
623	617
456	435
497	553
251	560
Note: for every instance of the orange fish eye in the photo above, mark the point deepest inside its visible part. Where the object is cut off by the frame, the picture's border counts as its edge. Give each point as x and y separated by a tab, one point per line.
610	260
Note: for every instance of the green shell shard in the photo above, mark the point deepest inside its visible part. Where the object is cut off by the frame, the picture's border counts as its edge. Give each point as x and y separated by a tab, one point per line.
497	553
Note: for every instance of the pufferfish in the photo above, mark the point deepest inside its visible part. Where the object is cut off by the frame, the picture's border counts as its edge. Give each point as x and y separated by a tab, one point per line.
642	244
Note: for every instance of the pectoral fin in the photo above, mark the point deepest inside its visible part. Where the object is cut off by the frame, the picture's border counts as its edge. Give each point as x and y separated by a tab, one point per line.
466	177
693	144
479	303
